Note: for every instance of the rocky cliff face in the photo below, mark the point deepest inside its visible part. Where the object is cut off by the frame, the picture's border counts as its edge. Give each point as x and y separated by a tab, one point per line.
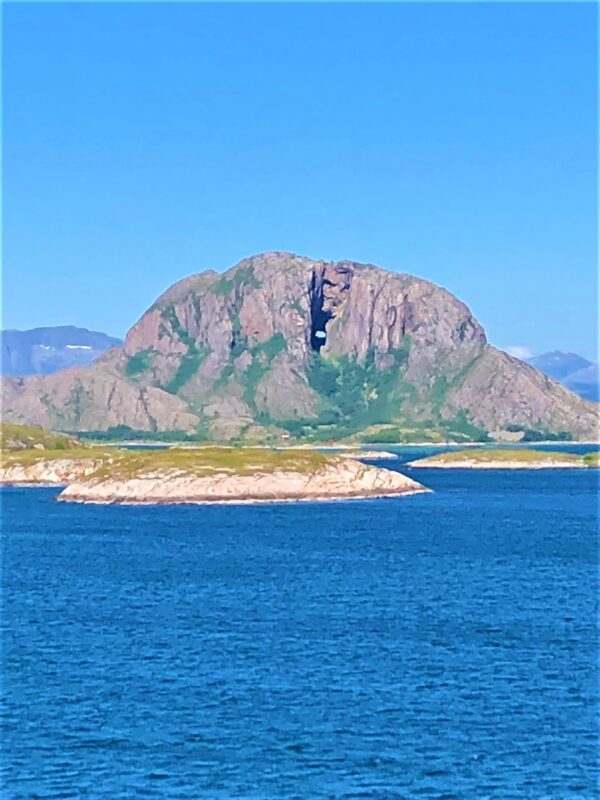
283	343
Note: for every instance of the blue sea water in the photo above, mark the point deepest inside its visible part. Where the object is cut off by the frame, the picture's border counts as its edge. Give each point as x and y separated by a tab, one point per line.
436	646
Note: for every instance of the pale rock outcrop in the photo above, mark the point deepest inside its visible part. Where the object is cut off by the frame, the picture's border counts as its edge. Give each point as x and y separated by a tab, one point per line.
552	461
341	479
48	472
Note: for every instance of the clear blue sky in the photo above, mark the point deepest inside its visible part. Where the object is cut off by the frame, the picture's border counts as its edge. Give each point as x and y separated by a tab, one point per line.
456	142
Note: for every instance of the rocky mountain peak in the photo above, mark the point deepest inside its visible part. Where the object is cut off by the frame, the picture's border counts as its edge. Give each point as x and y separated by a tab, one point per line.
281	342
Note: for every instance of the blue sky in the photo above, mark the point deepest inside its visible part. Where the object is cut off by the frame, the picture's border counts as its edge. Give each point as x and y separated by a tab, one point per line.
144	142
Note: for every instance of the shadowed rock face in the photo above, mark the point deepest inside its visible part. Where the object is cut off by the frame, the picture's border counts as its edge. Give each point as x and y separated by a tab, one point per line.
330	286
281	340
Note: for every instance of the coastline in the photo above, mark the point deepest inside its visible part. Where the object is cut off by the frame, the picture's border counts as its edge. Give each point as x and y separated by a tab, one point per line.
336	478
216	476
507	458
510	465
242	501
341	446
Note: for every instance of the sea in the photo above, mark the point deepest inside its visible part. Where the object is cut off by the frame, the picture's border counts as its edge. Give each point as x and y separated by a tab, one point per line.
438	646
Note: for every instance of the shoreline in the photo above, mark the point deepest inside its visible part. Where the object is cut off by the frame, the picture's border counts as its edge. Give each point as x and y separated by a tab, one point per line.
334	498
336	447
32	485
511	465
169	478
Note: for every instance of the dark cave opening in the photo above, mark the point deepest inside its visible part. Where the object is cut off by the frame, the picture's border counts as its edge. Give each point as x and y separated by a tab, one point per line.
319	317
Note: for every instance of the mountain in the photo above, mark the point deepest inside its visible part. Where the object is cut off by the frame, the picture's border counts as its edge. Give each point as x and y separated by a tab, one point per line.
281	344
559	364
577	373
42	351
586	383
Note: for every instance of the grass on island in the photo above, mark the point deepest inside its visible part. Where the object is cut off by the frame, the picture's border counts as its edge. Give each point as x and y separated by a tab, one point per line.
19	447
592	459
15	437
484	455
209	460
25	457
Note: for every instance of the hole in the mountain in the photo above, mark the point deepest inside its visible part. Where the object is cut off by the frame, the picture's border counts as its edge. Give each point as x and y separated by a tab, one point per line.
318	337
319	317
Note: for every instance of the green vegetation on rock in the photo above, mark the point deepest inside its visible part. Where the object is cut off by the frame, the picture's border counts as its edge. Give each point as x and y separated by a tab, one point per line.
138	363
362	393
170	315
242	276
193	358
123	433
188	366
439	391
540	435
226	373
78	401
271	348
355	395
461	428
250	378
263	353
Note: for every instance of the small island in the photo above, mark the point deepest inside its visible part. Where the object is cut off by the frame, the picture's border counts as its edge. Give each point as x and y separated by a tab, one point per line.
92	474
509	458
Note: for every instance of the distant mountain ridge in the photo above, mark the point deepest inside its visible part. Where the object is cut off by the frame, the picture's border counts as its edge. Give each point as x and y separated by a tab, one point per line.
284	345
577	373
43	351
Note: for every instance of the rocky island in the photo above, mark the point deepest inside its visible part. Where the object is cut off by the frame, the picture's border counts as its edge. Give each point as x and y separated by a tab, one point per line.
203	475
507	459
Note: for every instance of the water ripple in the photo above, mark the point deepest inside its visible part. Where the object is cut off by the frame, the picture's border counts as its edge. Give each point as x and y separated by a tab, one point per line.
439	646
